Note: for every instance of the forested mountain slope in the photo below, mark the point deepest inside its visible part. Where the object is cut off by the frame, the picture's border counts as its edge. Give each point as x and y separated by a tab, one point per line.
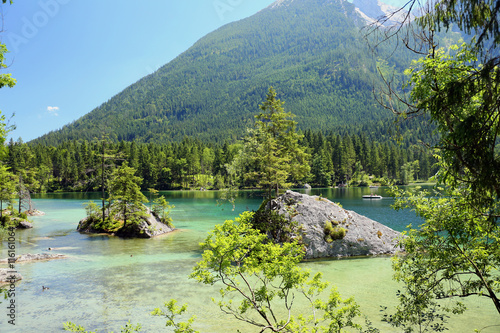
312	51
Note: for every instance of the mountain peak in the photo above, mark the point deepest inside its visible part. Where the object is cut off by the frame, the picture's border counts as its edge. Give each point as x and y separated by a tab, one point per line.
375	11
279	3
284	3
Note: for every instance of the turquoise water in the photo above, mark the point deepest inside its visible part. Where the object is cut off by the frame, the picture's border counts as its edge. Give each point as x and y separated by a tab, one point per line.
107	280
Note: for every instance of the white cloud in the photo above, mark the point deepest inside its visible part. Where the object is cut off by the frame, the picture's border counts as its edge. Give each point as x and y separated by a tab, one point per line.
53	110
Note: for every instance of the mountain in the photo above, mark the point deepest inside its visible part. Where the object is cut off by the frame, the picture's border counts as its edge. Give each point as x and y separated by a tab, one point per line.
313	52
377	12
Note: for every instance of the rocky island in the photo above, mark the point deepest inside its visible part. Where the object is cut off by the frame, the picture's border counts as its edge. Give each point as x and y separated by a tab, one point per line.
11	218
148	224
328	230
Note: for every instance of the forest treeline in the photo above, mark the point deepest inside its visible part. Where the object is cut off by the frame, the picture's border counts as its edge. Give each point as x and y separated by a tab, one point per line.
192	163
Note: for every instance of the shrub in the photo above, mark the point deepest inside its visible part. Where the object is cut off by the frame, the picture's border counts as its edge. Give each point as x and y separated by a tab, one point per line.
275	225
320	198
333	233
92	210
5	220
108	225
338	233
168	221
161	209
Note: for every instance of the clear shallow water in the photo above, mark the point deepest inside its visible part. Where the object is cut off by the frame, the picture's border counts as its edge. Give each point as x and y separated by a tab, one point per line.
108	280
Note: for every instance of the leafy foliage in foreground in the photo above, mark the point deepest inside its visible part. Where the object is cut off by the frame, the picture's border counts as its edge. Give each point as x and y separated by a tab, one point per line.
462	97
129	328
455	253
260	281
170	312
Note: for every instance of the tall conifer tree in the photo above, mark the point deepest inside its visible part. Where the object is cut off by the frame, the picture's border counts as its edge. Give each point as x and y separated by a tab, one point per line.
276	159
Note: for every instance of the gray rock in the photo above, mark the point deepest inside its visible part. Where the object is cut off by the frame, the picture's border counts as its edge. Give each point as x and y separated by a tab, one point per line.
149	227
38	256
363	235
35	212
6	276
25	225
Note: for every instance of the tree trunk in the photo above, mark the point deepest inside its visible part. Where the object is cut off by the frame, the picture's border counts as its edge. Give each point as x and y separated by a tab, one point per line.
20	192
125	214
102	183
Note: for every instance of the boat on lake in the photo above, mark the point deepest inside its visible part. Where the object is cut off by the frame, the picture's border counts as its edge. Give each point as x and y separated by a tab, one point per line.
372	196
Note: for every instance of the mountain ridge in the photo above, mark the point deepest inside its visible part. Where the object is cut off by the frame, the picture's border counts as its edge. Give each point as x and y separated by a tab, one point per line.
311	51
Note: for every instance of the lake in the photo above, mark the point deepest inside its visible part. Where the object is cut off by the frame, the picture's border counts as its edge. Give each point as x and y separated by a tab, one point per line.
107	280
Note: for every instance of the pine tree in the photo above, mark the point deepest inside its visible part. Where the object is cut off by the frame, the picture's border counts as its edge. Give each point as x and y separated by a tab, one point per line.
8	183
275	156
125	191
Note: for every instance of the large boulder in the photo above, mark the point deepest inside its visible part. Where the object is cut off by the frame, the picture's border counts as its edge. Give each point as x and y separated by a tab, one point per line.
148	226
328	230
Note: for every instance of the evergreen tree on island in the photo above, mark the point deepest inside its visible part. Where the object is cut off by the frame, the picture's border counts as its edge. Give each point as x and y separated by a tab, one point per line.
126	193
272	156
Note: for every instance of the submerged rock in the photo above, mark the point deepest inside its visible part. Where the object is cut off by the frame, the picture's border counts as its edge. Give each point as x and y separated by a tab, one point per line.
148	226
7	276
38	256
328	230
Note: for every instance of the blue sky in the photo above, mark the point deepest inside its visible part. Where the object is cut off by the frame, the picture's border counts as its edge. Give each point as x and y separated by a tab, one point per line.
70	56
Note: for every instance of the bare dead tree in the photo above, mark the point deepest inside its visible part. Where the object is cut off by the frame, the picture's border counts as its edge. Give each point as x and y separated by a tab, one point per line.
25	202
